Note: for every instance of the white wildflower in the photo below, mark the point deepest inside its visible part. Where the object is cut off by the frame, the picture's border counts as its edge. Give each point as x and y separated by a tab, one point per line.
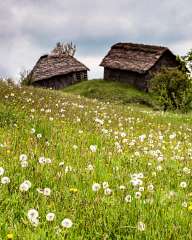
23	157
90	167
186	170
183	184
32	130
24	164
5	180
96	187
128	199
42	160
105	185
141	226
67	223
50	217
108	191
47	192
184	204
32	214
24	187
138	195
122	187
150	188
39	135
93	148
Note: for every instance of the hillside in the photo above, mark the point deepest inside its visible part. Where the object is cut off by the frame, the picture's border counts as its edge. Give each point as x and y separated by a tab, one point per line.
110	91
99	170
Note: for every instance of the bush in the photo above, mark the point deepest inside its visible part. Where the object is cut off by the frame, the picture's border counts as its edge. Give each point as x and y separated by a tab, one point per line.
172	89
25	78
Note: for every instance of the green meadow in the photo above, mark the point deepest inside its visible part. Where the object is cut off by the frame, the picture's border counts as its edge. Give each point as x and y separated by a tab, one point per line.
91	162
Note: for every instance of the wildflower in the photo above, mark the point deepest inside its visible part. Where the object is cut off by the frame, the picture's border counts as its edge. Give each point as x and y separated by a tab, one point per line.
184	204
34	222
108	191
172	136
138	195
32	213
39	135
183	184
32	130
136	182
50	217
90	167
9	236
48	160
61	164
105	185
75	147
128	199
67	223
68	169
23	157
93	148
24	164
5	180
47	192
186	170
141	226
142	137
24	187
42	160
96	187
73	190
190	208
122	187
150	187
1	171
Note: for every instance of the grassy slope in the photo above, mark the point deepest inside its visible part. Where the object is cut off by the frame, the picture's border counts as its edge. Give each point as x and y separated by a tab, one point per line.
95	215
110	91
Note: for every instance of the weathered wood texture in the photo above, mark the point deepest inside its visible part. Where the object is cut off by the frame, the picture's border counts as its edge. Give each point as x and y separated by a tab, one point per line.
57	70
61	81
136	63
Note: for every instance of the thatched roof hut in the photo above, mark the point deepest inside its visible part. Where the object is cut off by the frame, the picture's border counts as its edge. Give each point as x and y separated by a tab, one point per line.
136	63
57	70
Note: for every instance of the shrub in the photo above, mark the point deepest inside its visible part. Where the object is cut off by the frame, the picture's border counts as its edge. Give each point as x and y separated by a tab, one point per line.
172	89
25	78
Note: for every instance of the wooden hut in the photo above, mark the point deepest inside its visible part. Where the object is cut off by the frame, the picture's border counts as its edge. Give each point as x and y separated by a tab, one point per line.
57	70
136	63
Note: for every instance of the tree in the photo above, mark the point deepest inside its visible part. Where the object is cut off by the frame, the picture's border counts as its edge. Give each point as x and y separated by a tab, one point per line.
173	89
64	48
25	78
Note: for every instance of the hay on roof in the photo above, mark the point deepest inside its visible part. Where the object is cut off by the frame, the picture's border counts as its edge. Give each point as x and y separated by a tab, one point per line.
133	57
54	65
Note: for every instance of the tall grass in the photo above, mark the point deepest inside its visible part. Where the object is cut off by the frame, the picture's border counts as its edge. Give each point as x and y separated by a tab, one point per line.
84	142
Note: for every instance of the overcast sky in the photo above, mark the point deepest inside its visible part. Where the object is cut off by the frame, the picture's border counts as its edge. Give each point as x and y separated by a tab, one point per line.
30	28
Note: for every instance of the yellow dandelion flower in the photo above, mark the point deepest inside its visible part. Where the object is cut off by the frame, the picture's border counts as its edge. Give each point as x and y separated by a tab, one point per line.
73	190
8	151
9	236
190	208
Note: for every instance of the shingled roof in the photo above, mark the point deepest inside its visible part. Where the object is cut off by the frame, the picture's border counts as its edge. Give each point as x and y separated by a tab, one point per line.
54	65
133	57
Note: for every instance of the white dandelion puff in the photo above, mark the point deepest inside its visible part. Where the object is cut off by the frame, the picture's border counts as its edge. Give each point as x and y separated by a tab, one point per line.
66	223
96	187
50	217
5	180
